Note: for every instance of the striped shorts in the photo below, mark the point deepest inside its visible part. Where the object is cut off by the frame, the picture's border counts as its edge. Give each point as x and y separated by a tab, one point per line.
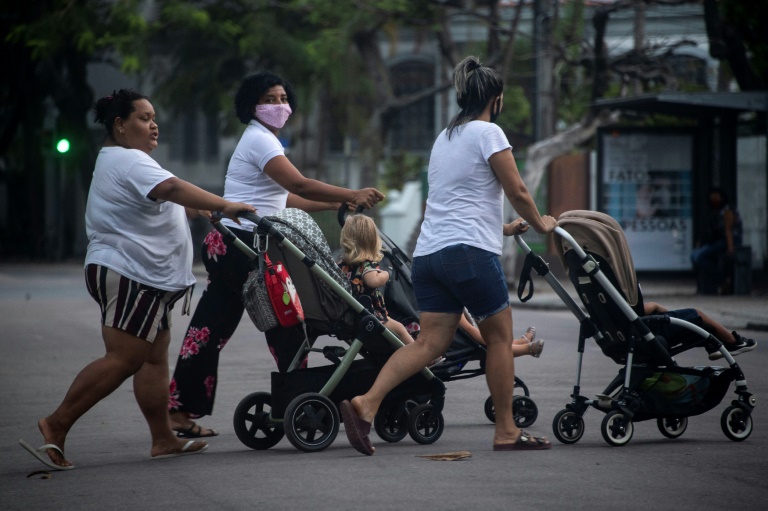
127	305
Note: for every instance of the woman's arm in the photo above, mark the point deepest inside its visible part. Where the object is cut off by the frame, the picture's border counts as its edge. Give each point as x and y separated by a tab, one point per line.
505	168
191	197
286	175
310	206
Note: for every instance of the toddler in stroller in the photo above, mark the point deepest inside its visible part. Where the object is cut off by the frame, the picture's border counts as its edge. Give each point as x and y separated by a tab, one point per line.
361	254
650	385
302	404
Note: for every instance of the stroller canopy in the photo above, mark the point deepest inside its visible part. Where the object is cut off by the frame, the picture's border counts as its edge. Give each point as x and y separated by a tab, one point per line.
600	234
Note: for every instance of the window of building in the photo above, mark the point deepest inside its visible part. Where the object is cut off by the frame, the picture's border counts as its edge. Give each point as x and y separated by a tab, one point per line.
413	127
193	136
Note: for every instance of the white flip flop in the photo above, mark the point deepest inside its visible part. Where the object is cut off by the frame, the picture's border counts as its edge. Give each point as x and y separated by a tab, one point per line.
183	452
41	455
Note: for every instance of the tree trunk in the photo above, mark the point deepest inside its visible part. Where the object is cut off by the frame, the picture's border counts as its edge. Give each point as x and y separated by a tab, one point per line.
541	154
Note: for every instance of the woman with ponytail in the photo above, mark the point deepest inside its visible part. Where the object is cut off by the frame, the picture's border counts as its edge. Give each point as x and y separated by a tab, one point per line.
456	261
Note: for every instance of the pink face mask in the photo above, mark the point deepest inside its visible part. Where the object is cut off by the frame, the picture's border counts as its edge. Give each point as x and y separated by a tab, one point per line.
273	115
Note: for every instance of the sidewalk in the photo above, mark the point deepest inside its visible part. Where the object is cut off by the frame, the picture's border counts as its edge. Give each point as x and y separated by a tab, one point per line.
745	312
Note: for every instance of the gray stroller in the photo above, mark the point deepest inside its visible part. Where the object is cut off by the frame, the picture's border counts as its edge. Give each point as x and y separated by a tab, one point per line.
303	402
650	384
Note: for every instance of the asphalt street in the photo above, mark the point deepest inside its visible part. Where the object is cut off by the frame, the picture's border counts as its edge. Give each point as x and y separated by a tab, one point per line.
49	330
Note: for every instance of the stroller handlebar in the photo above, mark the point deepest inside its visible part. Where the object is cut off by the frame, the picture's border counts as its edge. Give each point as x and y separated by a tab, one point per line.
253	217
343	211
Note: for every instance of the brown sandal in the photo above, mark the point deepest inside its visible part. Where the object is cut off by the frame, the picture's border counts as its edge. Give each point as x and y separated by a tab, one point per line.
525	442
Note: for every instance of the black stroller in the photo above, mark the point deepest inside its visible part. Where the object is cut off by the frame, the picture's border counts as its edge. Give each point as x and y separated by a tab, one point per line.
303	401
650	385
459	361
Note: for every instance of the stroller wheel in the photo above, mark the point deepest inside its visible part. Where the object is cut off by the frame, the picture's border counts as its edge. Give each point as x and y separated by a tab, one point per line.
391	423
524	411
490	411
617	429
252	422
568	426
311	422
425	425
672	427
736	423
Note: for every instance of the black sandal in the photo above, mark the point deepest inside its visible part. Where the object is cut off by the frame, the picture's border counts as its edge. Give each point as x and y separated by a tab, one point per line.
195	431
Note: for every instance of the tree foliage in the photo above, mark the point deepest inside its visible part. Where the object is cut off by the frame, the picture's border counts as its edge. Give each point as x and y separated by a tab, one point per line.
48	45
338	53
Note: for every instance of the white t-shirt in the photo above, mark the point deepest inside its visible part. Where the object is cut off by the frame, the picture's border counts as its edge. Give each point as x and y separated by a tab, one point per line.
246	181
145	240
465	201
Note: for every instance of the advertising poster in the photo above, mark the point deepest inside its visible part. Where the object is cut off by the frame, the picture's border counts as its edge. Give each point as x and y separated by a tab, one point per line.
646	186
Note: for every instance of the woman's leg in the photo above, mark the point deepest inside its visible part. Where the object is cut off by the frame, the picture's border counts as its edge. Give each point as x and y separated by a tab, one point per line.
437	330
500	373
125	355
193	387
150	385
284	343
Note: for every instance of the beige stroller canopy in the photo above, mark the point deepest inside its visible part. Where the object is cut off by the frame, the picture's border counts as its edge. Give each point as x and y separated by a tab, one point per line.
600	234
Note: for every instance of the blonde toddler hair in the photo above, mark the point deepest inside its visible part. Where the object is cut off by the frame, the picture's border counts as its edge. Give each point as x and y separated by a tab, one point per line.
360	240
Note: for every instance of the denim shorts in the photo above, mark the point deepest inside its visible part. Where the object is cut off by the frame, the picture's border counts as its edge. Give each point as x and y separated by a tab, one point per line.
460	276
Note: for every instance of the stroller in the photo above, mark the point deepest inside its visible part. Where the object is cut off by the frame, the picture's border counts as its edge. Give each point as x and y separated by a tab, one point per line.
463	351
303	402
650	384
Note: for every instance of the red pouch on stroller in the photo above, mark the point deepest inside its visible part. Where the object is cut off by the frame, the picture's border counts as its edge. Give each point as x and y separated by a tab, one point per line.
282	294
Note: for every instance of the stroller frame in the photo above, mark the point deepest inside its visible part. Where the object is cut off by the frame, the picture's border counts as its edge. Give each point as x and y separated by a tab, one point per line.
619	400
311	420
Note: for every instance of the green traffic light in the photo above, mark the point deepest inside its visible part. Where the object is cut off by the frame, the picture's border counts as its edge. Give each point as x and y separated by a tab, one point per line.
62	145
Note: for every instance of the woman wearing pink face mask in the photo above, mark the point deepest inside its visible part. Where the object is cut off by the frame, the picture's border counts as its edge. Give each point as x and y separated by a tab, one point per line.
259	174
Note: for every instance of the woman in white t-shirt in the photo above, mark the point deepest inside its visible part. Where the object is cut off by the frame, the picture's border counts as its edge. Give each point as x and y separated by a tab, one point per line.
456	261
259	174
138	264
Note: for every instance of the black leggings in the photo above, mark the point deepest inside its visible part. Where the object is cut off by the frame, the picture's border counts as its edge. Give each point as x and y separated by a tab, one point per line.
193	385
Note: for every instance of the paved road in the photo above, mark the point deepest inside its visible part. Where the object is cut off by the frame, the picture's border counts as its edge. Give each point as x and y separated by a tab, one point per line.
49	331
